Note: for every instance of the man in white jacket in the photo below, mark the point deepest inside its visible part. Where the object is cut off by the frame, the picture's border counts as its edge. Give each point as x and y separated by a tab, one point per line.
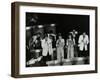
46	47
83	44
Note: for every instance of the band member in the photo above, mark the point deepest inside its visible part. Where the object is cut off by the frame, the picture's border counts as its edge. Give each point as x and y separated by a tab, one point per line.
74	34
29	47
32	42
47	47
38	41
35	45
60	48
83	44
53	37
70	42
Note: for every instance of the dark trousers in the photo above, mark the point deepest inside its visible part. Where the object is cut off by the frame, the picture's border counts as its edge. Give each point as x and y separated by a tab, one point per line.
44	60
75	51
83	53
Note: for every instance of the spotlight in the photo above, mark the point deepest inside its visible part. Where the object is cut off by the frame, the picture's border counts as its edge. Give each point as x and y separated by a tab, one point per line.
40	26
27	28
52	25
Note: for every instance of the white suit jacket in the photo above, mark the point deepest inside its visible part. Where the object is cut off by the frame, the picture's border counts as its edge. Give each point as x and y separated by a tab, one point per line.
83	42
47	47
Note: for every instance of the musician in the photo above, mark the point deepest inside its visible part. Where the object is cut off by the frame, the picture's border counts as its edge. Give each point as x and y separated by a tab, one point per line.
46	47
60	48
70	42
83	44
74	34
35	45
53	37
32	42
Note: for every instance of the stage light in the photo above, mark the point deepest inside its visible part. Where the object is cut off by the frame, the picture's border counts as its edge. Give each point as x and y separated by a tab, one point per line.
37	51
52	24
27	28
40	26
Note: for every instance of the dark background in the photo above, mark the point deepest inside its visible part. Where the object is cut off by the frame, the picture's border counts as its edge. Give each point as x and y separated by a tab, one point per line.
64	22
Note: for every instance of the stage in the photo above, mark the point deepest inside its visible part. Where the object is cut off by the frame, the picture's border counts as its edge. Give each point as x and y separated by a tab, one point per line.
74	61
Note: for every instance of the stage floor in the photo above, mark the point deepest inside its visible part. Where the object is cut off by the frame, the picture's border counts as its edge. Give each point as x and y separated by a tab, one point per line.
75	61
